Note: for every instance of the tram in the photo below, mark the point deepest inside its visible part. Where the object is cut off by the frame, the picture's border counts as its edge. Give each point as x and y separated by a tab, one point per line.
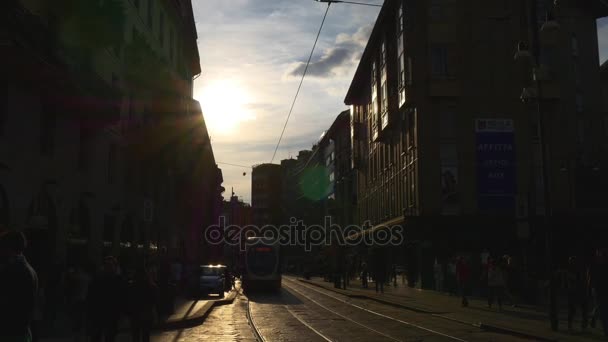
261	265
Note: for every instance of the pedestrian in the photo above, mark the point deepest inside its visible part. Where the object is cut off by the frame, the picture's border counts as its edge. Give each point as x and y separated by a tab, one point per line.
512	280
438	272
394	275
18	289
576	287
463	273
598	275
557	285
364	275
452	283
77	285
143	294
105	302
379	269
496	283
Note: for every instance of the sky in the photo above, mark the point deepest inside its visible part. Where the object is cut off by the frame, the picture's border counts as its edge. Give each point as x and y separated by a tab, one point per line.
252	57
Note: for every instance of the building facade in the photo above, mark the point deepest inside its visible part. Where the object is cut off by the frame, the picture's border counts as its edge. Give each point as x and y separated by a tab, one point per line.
443	144
266	195
96	151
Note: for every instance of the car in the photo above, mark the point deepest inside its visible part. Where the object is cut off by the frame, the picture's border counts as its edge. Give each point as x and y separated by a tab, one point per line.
211	280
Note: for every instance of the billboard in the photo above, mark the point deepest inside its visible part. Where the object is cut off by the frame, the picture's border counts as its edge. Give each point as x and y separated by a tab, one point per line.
496	165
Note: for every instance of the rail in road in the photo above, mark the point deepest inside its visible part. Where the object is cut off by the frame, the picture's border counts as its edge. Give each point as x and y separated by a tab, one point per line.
297	288
302	312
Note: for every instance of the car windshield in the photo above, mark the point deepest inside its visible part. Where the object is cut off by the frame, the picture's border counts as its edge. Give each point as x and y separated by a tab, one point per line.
211	271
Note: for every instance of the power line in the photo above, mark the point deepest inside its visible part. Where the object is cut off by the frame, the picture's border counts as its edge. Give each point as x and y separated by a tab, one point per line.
235	165
301	81
350	2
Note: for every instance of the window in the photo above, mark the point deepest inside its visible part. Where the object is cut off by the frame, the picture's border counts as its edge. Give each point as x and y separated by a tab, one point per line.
436	9
579	102
400	18
577	75
446	125
448	155
409	71
574	42
400	56
384	98
161	29
374	104
411	127
112	159
150	11
439	61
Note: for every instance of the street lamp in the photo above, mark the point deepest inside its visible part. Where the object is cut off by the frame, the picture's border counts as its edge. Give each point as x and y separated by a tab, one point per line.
548	35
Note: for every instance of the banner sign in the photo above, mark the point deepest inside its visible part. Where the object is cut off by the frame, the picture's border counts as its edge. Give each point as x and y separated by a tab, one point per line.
496	171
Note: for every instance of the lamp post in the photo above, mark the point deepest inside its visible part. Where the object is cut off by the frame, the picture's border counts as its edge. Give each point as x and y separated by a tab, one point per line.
532	64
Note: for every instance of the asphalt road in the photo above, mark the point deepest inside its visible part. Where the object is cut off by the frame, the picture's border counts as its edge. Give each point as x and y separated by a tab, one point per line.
301	312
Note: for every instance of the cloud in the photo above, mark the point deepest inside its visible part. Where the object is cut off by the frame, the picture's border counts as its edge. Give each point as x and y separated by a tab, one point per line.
337	59
602	37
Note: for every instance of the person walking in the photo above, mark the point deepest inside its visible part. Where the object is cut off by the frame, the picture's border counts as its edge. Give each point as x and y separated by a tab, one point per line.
379	269
105	300
77	281
496	283
364	275
451	271
18	289
598	279
438	272
576	291
143	294
463	274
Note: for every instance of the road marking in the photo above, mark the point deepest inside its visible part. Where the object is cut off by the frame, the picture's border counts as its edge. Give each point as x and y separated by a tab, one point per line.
306	324
382	315
345	317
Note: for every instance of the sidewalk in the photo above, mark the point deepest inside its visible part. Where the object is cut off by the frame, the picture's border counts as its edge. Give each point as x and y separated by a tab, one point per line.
188	313
526	321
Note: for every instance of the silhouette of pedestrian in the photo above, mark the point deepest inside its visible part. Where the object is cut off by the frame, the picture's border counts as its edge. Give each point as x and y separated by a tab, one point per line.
598	275
577	291
105	301
143	294
364	275
496	283
462	278
18	289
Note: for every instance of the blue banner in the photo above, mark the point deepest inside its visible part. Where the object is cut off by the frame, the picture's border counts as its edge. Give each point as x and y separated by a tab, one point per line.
496	165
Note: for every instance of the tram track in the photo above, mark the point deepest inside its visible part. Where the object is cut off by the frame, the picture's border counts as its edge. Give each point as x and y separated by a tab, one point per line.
256	331
291	285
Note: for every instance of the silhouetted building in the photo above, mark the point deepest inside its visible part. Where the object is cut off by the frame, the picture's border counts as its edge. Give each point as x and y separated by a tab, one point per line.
266	194
443	144
100	139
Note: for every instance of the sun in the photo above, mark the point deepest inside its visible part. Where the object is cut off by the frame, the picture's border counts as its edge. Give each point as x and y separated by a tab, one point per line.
224	105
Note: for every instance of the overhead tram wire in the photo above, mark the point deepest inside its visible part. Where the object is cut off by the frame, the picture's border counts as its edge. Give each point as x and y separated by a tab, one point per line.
301	81
235	165
350	2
